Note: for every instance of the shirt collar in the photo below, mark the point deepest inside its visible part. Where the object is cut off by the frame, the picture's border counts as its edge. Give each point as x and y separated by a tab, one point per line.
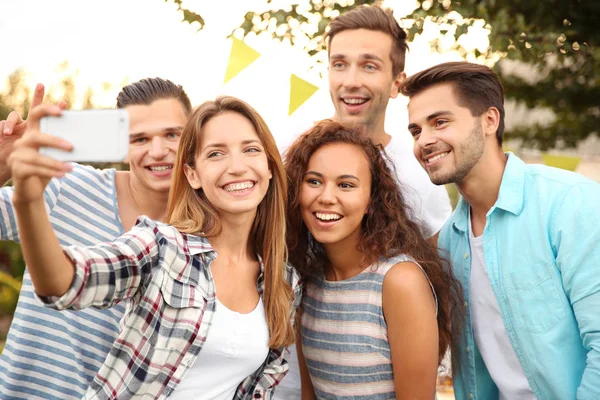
510	197
199	245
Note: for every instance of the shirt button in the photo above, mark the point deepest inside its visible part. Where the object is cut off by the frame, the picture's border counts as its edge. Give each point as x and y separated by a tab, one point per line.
470	395
466	255
466	304
467	349
257	396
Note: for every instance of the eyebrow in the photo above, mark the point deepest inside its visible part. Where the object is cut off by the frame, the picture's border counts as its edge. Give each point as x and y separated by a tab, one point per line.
366	56
137	135
430	117
222	145
320	175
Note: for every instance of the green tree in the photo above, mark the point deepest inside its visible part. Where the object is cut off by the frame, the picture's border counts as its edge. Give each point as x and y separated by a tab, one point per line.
557	39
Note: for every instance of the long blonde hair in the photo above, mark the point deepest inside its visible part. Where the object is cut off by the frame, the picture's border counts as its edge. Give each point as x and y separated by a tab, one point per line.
190	211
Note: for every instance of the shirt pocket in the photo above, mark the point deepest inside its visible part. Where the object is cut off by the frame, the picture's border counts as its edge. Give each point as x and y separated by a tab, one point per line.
181	311
534	298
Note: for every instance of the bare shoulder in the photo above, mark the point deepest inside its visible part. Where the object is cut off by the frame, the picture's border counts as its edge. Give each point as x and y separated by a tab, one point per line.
406	282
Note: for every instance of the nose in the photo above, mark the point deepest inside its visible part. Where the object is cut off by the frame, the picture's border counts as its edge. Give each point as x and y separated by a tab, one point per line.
426	138
352	78
327	195
158	148
237	166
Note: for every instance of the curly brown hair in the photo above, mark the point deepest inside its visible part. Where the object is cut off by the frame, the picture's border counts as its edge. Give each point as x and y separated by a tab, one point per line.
387	228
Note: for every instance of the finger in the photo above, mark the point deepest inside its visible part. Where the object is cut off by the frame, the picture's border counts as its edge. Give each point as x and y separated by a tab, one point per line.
62	104
13	119
24	171
38	95
41	139
34	159
42	110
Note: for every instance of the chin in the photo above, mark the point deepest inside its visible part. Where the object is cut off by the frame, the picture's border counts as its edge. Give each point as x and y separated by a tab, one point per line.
325	239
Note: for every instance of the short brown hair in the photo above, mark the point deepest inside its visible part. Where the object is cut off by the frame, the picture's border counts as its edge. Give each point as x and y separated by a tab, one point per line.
476	86
373	18
147	91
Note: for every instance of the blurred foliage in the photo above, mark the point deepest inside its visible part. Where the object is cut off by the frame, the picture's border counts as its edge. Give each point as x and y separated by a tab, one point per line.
555	40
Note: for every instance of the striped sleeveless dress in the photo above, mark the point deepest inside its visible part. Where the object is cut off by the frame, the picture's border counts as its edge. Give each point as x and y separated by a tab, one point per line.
344	335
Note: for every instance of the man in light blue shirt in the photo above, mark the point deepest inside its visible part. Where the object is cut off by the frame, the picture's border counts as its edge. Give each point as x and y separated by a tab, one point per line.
524	241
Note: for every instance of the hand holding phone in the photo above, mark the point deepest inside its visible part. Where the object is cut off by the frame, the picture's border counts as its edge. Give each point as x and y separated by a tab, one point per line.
96	135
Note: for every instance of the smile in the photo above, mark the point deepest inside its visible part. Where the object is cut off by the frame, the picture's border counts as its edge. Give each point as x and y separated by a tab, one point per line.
160	168
238	186
355	101
437	157
328	217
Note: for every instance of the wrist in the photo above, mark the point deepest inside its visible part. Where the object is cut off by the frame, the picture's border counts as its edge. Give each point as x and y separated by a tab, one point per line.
25	204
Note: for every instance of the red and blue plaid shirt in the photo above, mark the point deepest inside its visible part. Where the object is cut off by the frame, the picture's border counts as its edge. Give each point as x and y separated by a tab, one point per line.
163	275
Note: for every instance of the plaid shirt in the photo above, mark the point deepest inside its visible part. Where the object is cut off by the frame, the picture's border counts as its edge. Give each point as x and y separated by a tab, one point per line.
164	276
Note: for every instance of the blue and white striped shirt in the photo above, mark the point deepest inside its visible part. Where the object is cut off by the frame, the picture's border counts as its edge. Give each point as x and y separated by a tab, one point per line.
51	354
344	335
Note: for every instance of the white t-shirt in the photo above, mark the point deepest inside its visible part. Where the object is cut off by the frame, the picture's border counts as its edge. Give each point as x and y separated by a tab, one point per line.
431	208
237	345
489	331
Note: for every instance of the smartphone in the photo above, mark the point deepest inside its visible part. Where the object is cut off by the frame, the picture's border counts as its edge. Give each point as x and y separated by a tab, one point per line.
96	135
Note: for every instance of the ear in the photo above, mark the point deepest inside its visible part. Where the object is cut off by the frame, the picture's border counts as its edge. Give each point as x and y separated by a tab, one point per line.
396	84
192	177
490	121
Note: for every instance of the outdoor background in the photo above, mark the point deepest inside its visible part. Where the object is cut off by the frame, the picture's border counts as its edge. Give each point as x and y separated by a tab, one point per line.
84	51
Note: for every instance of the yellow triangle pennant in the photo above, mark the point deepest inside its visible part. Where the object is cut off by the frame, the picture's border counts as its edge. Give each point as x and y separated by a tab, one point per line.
300	91
241	56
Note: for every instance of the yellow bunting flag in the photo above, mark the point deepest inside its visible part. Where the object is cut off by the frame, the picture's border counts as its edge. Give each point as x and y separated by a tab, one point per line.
240	57
564	162
300	91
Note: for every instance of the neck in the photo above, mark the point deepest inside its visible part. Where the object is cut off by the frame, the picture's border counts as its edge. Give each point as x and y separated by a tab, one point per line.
141	200
376	131
233	243
345	261
481	187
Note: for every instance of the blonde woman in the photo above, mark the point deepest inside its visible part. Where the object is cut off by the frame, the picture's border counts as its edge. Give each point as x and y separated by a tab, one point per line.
209	296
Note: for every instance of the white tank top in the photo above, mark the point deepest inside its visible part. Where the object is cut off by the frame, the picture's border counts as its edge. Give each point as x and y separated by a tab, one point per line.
236	346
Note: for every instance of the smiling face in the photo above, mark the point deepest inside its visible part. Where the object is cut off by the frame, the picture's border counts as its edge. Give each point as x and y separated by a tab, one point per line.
335	194
449	141
154	132
231	166
360	76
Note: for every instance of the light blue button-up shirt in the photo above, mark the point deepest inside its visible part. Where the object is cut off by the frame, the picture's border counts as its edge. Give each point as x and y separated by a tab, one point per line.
542	254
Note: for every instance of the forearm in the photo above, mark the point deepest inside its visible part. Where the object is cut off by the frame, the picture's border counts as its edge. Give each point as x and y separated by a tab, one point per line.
51	271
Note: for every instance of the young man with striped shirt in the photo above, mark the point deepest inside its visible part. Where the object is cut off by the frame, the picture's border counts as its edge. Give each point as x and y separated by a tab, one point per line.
55	355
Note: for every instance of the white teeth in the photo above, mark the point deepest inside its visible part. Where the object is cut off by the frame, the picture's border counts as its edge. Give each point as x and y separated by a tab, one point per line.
238	186
432	159
328	217
160	168
354	101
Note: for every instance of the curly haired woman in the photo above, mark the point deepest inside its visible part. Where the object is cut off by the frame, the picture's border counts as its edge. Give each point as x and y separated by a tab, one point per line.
381	306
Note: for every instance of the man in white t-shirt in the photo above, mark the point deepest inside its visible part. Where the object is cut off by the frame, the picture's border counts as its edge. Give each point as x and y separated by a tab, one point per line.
366	49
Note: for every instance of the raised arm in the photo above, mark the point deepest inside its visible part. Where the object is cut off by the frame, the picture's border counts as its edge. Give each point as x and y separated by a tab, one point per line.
410	314
13	128
50	270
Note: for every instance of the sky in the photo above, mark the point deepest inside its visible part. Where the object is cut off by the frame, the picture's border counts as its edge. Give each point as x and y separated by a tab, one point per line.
112	42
